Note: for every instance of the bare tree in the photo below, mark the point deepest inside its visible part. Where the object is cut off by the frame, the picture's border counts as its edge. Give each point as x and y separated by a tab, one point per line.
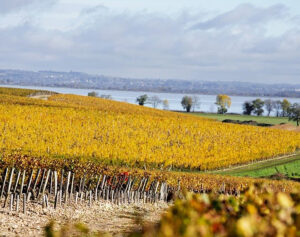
269	106
154	101
196	103
277	107
108	97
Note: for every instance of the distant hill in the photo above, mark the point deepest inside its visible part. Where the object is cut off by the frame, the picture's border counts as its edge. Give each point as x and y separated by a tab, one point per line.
83	80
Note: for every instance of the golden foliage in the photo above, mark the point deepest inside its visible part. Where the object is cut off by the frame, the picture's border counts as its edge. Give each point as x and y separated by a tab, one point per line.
223	100
22	92
120	133
257	212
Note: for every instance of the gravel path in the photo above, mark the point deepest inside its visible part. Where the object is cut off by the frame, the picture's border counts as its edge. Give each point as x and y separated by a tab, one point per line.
101	216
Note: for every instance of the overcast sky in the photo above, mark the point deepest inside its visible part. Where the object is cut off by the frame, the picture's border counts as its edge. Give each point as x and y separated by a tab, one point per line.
257	41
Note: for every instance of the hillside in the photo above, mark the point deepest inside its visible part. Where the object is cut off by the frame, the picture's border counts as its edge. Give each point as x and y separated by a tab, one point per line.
114	133
108	164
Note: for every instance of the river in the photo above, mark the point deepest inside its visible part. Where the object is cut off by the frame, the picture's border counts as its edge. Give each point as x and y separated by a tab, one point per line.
207	102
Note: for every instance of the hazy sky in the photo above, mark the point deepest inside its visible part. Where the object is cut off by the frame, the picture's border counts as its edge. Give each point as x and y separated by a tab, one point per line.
257	40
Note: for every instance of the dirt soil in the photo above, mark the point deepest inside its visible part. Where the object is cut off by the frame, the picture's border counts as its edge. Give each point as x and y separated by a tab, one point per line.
288	127
41	97
101	216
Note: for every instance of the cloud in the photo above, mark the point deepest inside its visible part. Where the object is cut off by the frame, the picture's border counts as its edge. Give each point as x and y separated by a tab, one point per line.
93	10
148	45
8	6
244	14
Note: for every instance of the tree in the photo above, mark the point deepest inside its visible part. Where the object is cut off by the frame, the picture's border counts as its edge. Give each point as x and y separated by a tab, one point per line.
277	107
141	100
155	101
223	102
269	105
294	113
258	105
285	105
108	97
165	104
187	103
195	103
93	94
248	108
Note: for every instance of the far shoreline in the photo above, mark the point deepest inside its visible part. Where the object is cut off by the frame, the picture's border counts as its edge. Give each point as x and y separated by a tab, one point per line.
145	91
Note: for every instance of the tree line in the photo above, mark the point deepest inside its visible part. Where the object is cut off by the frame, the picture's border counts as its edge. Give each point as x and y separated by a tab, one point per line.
281	108
256	107
155	101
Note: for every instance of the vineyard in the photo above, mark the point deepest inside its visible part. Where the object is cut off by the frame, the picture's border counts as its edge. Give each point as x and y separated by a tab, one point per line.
23	92
47	187
71	151
72	129
52	188
258	212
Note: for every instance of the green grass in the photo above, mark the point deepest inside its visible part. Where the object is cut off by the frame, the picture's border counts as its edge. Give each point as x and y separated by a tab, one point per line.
259	119
289	166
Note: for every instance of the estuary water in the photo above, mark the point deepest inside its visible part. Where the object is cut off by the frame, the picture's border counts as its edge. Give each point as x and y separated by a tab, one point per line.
207	102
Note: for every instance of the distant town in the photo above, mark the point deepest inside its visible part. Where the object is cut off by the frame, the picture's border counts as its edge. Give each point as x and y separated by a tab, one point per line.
88	81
